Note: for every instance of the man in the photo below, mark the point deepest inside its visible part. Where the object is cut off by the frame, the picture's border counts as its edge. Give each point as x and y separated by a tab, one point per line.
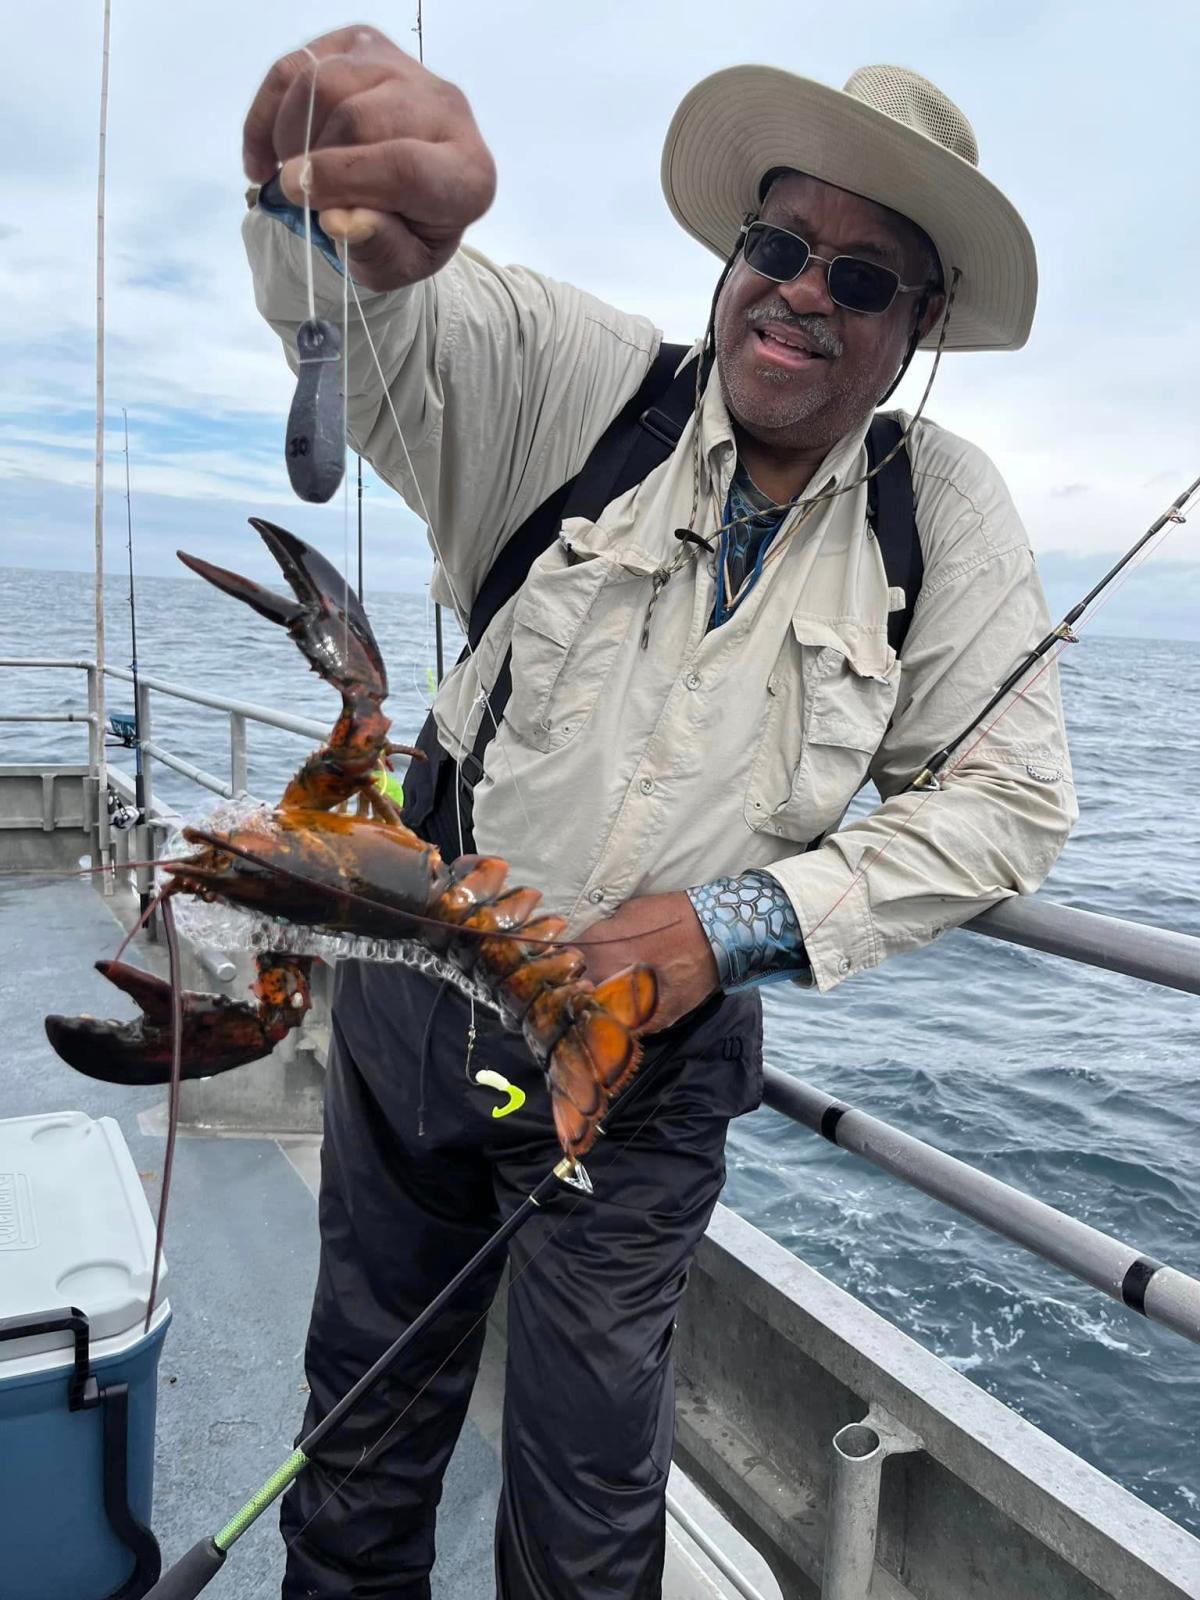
688	721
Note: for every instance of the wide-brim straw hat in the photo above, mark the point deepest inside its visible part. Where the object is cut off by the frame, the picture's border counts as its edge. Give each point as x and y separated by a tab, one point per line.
891	136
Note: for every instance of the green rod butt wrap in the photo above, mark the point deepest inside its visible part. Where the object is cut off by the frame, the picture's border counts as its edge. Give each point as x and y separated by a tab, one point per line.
253	1509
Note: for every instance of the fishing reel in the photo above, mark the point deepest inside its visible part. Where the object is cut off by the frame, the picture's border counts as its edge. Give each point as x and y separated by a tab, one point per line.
121	818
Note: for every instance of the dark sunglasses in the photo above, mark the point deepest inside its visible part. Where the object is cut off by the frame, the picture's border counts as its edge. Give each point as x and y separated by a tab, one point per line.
855	284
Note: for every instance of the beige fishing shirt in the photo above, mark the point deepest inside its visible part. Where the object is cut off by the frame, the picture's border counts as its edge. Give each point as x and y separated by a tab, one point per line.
621	771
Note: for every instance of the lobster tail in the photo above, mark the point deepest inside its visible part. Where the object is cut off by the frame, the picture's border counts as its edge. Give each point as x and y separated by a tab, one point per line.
598	1053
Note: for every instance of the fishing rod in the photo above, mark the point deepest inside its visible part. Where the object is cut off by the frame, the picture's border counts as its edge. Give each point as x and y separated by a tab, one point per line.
195	1570
139	778
1064	633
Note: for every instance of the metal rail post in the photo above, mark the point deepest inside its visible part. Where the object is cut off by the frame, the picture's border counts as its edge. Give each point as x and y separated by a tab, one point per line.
237	753
143	709
95	746
144	832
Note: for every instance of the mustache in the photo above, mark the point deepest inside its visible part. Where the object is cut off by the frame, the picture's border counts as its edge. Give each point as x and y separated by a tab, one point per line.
814	328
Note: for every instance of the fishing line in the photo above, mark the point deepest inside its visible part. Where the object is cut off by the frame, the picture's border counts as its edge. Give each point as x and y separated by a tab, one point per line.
460	609
349	285
345	442
306	185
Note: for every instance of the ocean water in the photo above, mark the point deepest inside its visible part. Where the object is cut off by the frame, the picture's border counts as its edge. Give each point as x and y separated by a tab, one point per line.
1078	1086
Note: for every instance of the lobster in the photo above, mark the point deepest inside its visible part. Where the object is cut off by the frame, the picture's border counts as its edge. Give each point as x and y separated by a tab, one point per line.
367	875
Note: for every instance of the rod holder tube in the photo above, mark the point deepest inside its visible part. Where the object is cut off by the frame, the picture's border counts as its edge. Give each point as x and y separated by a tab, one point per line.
852	1526
145	839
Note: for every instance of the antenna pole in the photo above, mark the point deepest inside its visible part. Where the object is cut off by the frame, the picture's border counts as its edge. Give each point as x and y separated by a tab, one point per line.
102	829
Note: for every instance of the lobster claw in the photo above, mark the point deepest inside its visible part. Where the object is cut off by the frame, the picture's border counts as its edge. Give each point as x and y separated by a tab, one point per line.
326	619
218	1033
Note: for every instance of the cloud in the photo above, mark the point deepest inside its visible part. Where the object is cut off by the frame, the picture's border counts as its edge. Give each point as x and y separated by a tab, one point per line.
1092	424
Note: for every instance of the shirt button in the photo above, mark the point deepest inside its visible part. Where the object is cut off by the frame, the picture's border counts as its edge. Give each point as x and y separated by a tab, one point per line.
647	785
692	681
844	965
596	896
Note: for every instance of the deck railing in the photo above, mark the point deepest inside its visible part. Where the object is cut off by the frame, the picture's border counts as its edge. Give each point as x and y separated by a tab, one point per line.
1154	955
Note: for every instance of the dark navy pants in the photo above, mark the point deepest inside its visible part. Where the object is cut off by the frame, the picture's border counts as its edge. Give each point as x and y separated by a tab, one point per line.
416	1173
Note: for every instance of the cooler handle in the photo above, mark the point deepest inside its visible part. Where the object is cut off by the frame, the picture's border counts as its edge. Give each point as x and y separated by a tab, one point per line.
82	1391
135	1535
83	1394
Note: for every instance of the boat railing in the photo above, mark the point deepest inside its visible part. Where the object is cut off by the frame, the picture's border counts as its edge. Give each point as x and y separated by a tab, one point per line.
1159	1292
1155	955
161	819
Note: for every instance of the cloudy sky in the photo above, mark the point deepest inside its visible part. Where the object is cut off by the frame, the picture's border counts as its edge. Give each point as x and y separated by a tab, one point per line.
1087	119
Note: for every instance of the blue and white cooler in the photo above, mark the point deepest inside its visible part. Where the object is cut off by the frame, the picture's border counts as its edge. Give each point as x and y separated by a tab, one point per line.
77	1373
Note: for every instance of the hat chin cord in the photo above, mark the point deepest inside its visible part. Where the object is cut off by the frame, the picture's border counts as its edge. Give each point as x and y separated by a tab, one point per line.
691	540
955	279
914	340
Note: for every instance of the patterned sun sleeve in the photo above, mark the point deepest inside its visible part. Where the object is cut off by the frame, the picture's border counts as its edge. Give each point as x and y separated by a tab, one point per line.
752	928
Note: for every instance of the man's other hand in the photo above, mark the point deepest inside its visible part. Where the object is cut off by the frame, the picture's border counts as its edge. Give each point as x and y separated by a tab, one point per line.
663	931
397	166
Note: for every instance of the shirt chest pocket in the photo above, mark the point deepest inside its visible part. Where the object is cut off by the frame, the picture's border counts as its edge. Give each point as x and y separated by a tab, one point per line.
828	705
572	618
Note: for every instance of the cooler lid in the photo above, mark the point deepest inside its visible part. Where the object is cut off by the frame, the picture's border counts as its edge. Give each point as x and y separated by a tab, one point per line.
75	1230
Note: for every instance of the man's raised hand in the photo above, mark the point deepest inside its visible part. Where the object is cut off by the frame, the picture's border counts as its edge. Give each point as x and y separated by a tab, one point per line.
396	166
